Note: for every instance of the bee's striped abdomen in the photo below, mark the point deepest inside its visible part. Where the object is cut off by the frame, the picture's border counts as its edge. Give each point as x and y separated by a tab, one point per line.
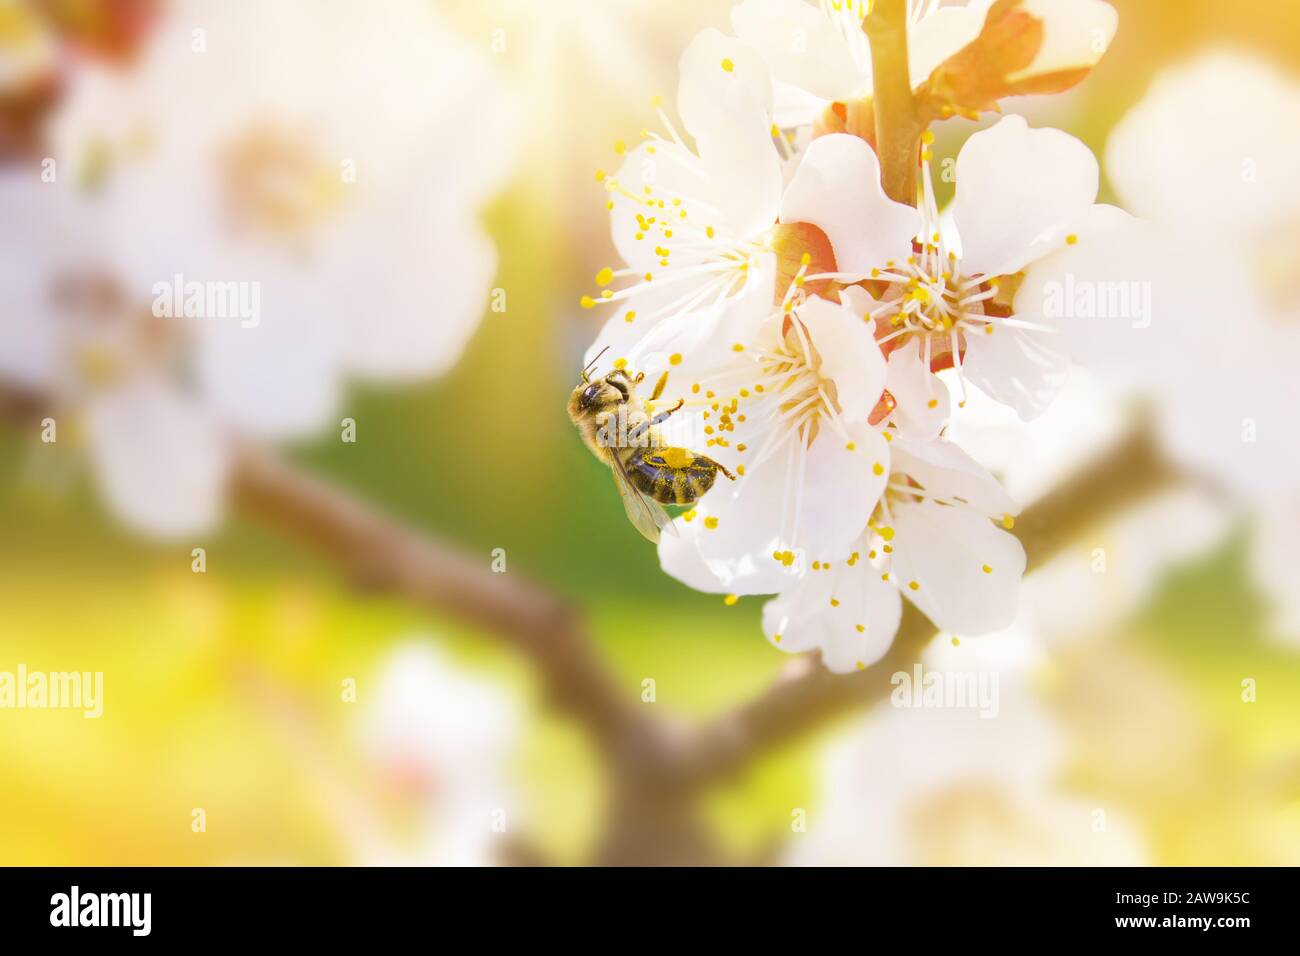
672	476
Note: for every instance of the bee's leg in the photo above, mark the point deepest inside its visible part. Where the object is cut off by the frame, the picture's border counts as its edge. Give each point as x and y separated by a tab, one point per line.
641	429
659	386
723	468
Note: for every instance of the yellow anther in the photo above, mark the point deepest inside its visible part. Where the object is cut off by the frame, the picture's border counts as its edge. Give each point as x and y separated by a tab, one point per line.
600	175
620	363
675	358
887	533
1008	522
1071	239
851	447
727	65
877	469
914	585
587	302
711	522
986	569
730	599
835	602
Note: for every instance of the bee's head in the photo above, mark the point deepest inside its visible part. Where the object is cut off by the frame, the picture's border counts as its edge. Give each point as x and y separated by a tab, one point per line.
598	394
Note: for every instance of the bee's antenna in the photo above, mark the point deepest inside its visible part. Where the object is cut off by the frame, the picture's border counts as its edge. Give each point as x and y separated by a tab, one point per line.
593	362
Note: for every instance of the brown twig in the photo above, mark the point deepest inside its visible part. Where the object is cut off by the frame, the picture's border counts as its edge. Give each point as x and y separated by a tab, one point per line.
898	127
810	696
657	768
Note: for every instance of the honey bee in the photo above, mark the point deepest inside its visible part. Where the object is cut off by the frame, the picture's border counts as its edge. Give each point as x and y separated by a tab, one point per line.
616	424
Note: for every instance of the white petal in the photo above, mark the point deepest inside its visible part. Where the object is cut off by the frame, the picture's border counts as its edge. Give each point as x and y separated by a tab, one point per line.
802	46
1019	191
1018	367
850	356
944	469
837	188
281	378
425	302
1076	34
679	556
728	111
1115	300
804	619
161	464
923	402
944	551
672	172
1165	167
841	489
940	35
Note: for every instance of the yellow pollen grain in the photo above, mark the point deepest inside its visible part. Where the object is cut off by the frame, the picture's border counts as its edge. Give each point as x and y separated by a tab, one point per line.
689	515
727	65
711	522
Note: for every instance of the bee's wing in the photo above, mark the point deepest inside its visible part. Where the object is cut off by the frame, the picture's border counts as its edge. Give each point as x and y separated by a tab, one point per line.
647	515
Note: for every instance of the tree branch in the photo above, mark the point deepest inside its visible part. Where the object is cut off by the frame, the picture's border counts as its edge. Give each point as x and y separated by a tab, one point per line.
898	128
810	696
380	554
